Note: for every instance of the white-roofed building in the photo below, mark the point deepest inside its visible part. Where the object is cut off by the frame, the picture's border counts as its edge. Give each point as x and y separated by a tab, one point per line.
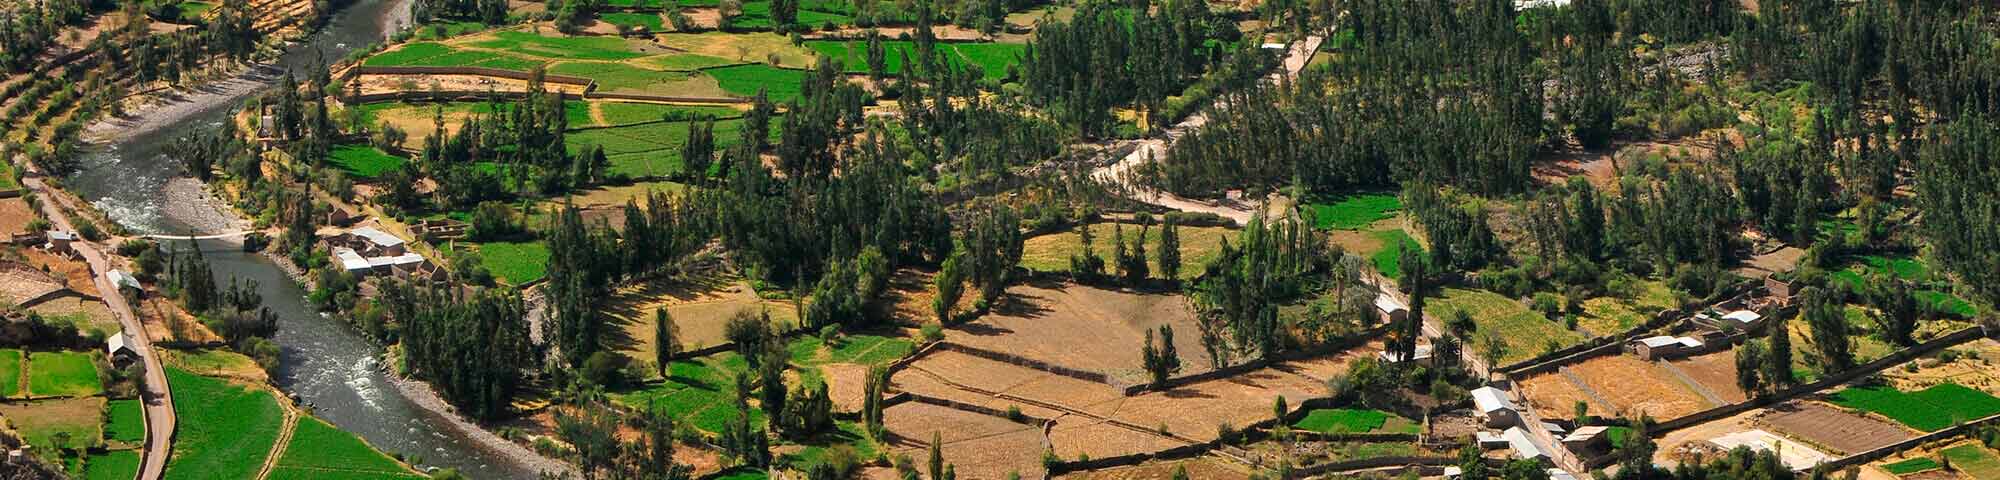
126	282
59	241
1664	346
1560	474
1494	406
1524	448
1422	355
1390	309
1586	438
373	242
1744	319
118	348
1489	440
351	261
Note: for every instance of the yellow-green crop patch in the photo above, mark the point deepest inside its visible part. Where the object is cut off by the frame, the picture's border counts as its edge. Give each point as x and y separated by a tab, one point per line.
1524	332
63	374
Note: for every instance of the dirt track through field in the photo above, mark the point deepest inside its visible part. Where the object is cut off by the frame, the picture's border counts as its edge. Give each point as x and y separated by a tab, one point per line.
284	438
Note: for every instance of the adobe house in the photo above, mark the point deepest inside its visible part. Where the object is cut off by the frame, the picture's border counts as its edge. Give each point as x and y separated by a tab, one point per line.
1664	347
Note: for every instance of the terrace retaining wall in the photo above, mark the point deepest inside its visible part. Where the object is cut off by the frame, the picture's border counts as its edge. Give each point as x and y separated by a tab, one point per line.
1020	418
1345	343
1018	360
1900	356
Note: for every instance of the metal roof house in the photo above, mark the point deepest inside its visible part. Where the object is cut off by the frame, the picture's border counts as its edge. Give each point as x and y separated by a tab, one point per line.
1391	309
1524	448
1494	406
125	281
118	348
1664	346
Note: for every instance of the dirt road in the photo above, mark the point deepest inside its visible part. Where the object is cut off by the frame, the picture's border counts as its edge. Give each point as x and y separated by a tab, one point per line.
1119	174
154	391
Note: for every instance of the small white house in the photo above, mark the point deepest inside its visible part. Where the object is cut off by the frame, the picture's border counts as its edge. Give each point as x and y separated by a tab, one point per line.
1524	448
125	282
1494	406
118	348
1422	356
1390	309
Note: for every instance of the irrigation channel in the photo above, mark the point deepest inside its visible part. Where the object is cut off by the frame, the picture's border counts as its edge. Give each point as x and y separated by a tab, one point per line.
326	363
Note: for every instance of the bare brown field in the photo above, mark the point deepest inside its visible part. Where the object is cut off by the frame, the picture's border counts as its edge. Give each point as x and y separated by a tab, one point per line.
20	283
1082	327
846	384
1830	427
1001	377
1633	387
1717	371
922	383
1074	437
74	273
1554	396
1198	467
700	309
1194	410
14	216
908	299
979	446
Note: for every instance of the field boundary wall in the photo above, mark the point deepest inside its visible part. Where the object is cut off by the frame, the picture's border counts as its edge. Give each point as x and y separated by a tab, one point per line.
1900	356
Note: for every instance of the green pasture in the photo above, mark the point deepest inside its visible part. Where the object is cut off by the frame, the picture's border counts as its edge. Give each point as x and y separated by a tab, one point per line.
1347	420
226	430
10	372
1354	211
779	84
1929	410
126	422
1389	260
63	374
112	465
1973	460
1525	332
317	447
363	160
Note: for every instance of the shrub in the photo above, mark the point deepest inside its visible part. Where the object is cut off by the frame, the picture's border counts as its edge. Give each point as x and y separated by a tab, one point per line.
932	332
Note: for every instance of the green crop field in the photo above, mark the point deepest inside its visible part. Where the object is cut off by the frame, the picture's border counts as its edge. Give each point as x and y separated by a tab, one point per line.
1342	420
364	161
317	447
651	150
1974	460
779	84
1930	409
992	58
194	12
1354	212
1910	466
612	76
757	15
616	113
630	19
684	62
1389	260
112	465
700	392
10	372
1524	331
742	473
572	48
1606	315
225	431
515	262
63	374
410	54
126	423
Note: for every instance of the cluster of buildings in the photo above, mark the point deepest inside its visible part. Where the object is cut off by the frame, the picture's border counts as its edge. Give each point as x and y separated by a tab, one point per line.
368	251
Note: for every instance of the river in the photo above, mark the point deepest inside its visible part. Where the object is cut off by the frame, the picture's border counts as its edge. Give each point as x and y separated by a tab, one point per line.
325	363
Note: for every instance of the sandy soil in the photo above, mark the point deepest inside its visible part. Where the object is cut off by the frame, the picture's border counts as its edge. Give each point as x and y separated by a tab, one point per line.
847	384
1082	327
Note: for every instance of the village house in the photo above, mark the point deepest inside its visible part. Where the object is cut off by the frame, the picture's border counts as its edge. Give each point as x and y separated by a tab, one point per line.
1495	408
1591	438
1663	347
1422	356
127	284
1390	309
118	348
59	242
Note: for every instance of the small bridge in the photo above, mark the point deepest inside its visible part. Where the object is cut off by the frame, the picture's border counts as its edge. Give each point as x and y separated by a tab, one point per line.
212	236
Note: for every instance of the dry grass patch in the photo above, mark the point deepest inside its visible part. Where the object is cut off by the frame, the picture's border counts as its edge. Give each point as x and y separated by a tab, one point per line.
700	308
14	216
1199	467
1554	396
1193	410
740	47
1717	371
1973	366
1083	327
990	456
88	315
1634	386
1050	253
216	363
40	422
1076	437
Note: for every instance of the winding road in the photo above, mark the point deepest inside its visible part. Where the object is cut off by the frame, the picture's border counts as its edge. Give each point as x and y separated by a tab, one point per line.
154	392
1119	174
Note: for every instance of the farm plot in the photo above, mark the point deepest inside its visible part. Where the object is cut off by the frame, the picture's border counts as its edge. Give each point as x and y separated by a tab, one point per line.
226	430
739	47
980	446
1914	465
14	214
1974	460
1082	327
1830	427
364	161
1930	409
1199	467
778	84
1051	252
515	262
1635	386
1715	371
1193	410
1347	420
686	62
1077	437
993	59
700	310
948	374
569	48
1524	332
124	422
111	465
10	372
1970	364
318	450
650	150
1388	258
63	374
1611	315
59	423
87	315
1353	211
698	392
